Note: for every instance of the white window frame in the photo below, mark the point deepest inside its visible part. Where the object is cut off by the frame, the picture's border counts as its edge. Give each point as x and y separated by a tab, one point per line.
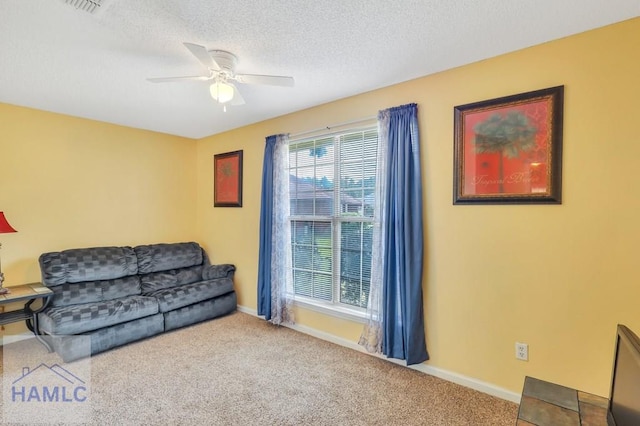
334	307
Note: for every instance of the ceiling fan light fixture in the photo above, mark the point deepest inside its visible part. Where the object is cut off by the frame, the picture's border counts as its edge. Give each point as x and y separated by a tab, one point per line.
222	92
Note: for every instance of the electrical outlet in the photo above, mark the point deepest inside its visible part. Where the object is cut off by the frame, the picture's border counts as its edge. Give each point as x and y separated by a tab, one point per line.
522	351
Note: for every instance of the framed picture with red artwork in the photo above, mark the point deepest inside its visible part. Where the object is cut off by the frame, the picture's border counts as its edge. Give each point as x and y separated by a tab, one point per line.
509	150
227	181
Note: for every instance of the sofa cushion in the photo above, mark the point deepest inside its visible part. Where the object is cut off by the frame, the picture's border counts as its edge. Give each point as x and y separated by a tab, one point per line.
87	264
189	275
122	287
76	293
211	272
75	319
167	279
163	257
94	291
188	294
158	281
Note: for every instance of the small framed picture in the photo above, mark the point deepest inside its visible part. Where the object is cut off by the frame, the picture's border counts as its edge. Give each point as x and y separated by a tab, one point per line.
227	180
509	150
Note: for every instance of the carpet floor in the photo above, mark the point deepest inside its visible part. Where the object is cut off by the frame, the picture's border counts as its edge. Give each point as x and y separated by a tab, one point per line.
240	370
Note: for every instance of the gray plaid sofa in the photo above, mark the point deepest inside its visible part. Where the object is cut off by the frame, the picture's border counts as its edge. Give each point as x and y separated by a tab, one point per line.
117	295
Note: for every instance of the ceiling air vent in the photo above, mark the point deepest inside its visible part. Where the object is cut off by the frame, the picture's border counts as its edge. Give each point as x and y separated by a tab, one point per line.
91	6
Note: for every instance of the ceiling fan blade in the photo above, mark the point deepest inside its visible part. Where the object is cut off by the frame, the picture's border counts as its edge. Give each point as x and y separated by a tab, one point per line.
203	55
185	78
237	97
271	80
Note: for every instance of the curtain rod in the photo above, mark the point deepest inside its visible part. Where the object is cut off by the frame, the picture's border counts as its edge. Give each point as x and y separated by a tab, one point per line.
331	127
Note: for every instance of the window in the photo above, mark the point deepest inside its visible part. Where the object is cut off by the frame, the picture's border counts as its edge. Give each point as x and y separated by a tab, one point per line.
332	190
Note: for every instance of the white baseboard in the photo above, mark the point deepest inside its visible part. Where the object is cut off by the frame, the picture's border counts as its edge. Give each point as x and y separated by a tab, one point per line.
449	376
12	338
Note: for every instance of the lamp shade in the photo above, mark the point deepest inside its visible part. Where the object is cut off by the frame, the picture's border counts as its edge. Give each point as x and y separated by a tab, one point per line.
5	228
221	91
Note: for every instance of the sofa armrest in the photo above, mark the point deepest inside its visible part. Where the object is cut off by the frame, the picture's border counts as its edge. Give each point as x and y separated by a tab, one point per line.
218	271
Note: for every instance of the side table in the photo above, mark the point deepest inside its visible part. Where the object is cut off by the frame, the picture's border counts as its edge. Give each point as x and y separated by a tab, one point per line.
27	293
548	404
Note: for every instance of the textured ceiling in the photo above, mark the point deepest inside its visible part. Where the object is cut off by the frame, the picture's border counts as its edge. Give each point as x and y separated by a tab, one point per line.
54	57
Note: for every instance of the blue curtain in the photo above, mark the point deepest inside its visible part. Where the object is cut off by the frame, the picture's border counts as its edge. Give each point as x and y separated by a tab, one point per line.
266	234
402	318
274	263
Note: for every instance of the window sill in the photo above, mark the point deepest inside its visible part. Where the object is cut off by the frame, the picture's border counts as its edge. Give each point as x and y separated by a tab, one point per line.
331	310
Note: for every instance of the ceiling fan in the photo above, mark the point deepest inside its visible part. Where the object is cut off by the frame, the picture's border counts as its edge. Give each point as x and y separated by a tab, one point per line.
221	66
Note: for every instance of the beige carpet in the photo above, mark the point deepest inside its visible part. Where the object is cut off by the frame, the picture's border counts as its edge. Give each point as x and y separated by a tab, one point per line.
240	370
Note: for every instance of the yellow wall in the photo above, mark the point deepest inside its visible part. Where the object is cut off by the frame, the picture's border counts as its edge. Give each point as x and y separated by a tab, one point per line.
558	277
67	182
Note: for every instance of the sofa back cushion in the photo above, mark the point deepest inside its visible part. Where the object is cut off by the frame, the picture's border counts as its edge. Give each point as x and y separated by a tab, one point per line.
165	257
87	264
76	293
95	291
98	274
172	278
